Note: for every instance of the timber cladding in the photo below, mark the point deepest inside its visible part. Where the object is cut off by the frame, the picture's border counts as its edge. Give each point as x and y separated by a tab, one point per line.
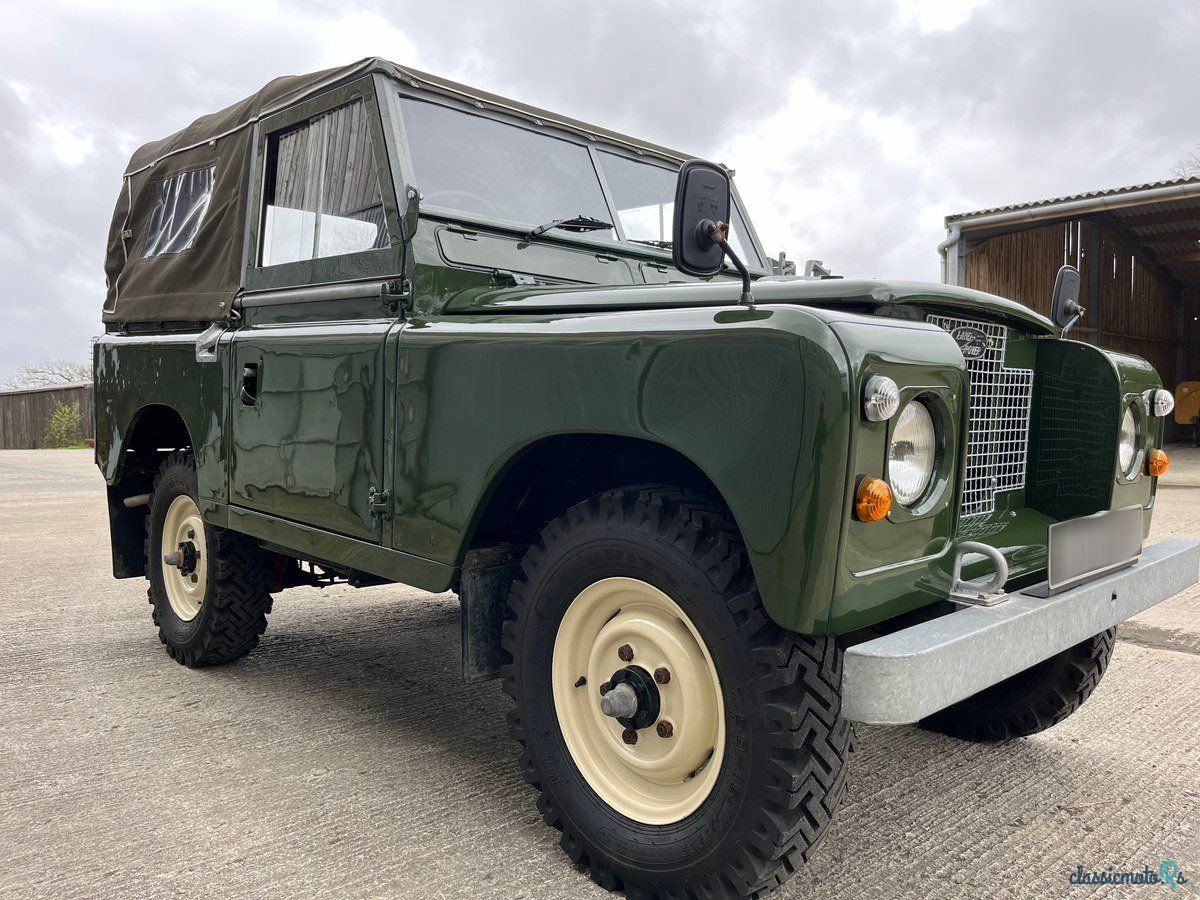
1135	312
25	414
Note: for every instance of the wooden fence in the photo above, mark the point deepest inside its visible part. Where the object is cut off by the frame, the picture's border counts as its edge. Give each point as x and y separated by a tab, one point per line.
25	413
1135	312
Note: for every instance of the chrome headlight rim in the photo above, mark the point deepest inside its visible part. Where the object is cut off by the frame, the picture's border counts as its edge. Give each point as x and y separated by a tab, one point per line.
929	417
1129	464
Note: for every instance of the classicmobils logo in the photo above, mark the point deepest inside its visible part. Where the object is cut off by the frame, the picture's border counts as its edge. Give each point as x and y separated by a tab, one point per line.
1168	874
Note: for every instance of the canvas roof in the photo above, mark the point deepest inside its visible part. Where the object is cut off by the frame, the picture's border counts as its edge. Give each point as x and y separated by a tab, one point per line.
199	284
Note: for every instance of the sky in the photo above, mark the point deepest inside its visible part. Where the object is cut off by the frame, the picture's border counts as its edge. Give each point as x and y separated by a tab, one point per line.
854	127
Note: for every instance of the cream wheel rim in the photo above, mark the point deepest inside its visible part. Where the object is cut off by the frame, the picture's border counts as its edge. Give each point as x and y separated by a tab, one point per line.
612	626
183	538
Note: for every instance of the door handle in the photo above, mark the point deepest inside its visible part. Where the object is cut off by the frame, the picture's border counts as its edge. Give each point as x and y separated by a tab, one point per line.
249	384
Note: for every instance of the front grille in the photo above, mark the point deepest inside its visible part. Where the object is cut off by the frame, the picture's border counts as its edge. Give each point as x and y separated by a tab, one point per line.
998	431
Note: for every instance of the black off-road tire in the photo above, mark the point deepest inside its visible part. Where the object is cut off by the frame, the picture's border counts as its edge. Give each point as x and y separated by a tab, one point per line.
784	768
1030	701
233	613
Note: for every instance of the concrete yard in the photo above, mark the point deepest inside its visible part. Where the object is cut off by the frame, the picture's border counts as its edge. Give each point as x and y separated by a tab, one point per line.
345	757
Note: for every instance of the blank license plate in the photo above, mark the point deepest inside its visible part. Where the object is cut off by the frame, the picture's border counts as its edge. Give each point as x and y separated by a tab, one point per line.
1081	549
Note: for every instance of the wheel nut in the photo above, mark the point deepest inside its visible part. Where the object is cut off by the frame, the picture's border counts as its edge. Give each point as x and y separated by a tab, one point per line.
629	736
665	729
661	675
626	653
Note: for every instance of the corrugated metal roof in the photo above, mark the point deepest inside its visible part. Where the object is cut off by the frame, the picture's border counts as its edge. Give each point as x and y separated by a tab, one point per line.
1131	190
1162	216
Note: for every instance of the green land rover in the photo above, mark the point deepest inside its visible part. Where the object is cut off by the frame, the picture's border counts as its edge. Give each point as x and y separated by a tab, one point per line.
372	326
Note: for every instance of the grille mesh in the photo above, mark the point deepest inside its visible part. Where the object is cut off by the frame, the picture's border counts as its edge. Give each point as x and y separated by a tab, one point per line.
998	431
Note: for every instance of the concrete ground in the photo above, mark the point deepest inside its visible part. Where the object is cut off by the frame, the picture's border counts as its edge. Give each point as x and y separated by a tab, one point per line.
345	758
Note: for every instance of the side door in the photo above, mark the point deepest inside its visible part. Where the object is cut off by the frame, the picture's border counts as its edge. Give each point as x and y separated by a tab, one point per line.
309	397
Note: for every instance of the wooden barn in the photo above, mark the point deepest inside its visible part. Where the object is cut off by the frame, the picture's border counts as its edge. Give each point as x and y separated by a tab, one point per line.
1137	249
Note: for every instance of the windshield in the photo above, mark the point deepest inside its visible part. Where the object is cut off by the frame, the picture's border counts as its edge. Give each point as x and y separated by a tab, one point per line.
474	165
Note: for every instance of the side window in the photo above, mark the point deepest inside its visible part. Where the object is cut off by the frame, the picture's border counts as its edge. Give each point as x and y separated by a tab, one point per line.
322	195
180	203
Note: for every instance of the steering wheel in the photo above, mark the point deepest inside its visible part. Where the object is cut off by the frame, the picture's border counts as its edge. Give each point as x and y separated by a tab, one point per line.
474	202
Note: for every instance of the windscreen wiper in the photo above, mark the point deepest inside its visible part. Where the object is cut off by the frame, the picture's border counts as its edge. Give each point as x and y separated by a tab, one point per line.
665	245
575	223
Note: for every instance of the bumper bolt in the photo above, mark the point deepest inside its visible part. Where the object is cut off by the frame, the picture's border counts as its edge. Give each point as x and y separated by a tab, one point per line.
625	652
662	676
665	729
629	736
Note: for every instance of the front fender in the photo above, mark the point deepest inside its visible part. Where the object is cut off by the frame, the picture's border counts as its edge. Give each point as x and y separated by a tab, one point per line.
756	398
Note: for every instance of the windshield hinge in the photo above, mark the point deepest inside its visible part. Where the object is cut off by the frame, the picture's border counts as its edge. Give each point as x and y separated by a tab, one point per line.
380	502
396	297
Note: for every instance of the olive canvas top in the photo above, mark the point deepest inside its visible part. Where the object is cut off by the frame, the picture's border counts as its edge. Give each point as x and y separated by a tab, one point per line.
176	243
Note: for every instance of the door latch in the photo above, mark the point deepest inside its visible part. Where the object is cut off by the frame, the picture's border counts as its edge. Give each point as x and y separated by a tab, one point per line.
380	503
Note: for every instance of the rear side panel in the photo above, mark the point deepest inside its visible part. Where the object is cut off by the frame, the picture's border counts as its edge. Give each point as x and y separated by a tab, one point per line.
135	373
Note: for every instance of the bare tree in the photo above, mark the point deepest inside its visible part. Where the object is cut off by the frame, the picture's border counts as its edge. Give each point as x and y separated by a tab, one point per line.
1189	166
56	371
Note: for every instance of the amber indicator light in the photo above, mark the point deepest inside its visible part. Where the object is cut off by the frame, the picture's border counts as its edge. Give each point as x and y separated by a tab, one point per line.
1157	463
872	500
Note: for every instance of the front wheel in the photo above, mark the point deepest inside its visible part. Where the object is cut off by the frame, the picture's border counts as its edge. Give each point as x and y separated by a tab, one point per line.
683	743
209	587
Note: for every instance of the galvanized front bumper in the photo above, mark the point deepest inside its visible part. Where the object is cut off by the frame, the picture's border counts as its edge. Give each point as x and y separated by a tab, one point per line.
912	673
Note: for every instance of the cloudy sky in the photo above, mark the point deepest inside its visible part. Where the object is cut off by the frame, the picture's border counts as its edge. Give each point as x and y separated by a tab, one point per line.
854	126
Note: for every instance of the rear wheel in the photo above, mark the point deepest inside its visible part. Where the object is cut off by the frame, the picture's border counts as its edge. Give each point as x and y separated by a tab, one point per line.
1030	701
209	587
683	744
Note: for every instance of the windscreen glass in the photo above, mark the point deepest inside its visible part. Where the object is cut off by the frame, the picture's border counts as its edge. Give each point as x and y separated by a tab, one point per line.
471	164
477	166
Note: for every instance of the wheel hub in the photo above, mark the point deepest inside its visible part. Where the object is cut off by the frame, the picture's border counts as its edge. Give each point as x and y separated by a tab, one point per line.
185	559
637	703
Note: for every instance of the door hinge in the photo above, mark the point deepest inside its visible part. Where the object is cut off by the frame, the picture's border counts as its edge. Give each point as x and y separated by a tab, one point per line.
396	296
380	502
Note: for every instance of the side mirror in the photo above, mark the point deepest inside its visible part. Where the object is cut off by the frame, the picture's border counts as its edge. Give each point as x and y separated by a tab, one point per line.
702	199
700	232
1064	306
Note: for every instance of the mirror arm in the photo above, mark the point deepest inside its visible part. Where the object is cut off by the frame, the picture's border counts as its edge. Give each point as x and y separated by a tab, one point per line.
747	299
1076	315
717	233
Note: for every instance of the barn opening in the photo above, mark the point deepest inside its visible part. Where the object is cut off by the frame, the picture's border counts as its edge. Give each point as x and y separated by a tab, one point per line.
1137	249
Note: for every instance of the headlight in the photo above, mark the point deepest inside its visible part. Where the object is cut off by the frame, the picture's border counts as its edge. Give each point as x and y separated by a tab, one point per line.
912	453
1129	457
